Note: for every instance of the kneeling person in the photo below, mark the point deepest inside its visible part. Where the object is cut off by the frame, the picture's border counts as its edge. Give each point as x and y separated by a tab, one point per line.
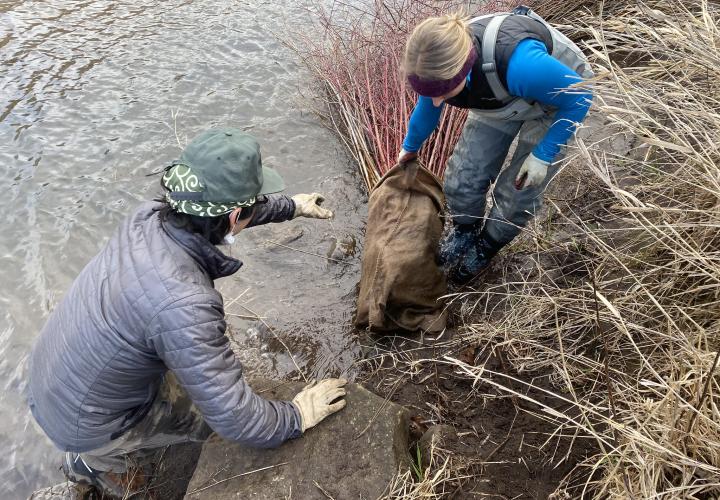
135	357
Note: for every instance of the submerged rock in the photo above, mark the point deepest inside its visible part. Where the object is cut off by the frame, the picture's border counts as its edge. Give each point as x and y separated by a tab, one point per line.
352	454
342	248
284	235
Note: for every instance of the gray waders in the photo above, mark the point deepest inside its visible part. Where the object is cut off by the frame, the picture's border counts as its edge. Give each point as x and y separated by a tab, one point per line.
172	419
480	153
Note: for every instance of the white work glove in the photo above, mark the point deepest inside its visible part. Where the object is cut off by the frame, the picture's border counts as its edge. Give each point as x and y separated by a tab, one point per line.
406	156
308	205
313	402
532	172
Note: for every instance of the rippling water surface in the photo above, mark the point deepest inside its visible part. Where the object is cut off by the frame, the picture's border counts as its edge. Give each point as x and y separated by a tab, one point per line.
95	95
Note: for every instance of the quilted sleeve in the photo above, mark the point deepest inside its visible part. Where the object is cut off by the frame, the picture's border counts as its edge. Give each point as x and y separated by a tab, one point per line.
273	208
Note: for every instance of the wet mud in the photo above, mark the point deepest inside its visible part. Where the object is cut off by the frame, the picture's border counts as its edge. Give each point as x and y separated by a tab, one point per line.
503	447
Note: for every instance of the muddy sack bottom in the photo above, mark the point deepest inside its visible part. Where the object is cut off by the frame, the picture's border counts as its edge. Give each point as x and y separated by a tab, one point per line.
401	281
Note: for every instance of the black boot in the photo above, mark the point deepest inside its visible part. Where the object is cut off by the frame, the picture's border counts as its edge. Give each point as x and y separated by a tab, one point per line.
475	260
455	244
108	484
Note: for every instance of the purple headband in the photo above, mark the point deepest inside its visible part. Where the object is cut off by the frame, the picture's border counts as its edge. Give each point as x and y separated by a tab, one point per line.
437	88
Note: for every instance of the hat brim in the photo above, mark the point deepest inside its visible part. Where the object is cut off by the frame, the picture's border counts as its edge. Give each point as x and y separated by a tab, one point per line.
272	182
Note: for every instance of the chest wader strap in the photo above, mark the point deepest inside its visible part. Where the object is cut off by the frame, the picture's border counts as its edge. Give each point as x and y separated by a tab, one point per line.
489	66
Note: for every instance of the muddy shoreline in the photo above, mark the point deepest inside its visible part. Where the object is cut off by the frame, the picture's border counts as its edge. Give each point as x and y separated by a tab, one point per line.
503	446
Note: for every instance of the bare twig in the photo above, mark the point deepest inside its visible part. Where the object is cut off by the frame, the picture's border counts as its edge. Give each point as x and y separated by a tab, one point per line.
309	253
236	476
244	316
323	490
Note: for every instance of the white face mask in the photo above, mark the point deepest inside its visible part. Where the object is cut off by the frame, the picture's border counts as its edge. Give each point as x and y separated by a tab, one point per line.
229	239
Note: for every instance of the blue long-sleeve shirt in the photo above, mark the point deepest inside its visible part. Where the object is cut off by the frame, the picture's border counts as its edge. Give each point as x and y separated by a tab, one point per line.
532	74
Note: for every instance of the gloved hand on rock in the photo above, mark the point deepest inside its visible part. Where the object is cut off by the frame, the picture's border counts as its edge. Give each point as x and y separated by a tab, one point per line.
308	205
313	402
532	172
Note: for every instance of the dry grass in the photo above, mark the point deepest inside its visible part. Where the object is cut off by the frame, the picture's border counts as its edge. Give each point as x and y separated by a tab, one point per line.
622	307
439	479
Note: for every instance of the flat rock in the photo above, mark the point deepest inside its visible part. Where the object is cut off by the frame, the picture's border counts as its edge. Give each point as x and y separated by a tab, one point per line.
284	235
352	454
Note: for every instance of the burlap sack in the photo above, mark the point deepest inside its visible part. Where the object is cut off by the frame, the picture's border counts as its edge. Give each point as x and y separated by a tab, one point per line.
401	281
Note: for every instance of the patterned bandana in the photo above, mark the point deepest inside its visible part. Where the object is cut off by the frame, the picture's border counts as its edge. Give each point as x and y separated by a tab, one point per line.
180	178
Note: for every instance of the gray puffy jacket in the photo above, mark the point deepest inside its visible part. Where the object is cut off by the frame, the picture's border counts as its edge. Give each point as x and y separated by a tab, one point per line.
144	304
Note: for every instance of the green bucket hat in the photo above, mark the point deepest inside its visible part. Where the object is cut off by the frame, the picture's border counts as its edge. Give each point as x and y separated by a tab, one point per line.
219	171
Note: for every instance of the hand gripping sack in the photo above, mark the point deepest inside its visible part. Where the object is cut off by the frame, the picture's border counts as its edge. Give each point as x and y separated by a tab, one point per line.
401	281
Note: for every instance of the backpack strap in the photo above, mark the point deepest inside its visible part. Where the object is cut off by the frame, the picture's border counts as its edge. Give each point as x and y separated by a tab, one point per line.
489	66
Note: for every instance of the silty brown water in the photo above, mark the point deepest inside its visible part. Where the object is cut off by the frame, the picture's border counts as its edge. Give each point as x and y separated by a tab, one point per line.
95	95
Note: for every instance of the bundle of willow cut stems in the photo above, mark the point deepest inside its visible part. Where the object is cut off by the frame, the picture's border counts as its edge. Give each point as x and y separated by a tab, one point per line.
357	60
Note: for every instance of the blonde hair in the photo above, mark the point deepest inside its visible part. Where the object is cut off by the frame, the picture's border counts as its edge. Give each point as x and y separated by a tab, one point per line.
438	47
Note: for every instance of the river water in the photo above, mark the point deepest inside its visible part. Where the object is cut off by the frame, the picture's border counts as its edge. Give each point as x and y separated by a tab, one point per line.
96	95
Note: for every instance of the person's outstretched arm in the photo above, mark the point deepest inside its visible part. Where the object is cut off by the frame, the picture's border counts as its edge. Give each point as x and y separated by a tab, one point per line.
423	121
280	208
535	75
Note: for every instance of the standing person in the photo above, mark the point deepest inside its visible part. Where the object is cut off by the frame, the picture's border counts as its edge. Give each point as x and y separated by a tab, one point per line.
513	71
135	356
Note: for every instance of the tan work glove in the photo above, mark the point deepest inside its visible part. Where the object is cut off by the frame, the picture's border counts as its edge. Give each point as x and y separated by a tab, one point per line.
532	172
313	402
308	205
405	156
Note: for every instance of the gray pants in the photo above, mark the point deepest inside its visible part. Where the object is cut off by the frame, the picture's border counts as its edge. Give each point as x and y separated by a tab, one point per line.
476	162
483	147
173	419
